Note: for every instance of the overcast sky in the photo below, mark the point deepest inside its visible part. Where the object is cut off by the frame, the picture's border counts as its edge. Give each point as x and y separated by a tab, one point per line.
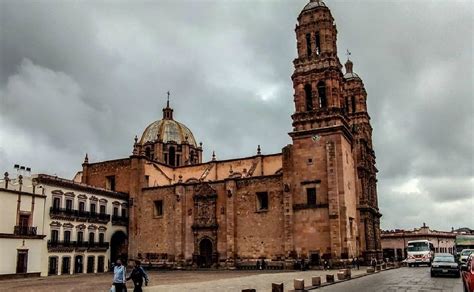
87	76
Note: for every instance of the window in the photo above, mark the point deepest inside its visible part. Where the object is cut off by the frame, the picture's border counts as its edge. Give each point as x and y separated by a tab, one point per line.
24	220
309	97
54	235
311	196
56	203
351	226
178	158
262	201
172	156
91	237
67	236
82	207
93	208
110	182
148	152
308	44
68	204
115	211
147	180
347	105
101	237
102	209
159	208
318	43
353	105
80	236
124	213
322	94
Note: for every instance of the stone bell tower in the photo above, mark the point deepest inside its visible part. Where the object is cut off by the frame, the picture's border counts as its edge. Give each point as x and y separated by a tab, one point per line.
319	175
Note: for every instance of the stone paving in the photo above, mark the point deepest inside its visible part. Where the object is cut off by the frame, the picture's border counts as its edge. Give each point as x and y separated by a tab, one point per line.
399	280
167	281
260	282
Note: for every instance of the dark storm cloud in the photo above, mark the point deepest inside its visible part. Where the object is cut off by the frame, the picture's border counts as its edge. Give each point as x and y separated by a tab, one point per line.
87	76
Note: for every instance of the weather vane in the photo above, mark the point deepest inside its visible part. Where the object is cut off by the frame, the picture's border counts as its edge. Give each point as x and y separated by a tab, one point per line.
348	54
168	102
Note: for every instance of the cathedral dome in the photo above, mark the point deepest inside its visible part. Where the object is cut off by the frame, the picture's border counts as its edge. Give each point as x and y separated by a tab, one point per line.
168	130
313	4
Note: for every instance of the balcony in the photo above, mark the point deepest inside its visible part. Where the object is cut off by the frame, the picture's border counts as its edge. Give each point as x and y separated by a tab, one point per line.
61	245
119	220
78	215
25	230
98	218
69	246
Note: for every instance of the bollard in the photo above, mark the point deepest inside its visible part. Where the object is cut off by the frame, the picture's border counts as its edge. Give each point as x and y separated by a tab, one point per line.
370	270
329	278
316	281
277	287
341	276
299	284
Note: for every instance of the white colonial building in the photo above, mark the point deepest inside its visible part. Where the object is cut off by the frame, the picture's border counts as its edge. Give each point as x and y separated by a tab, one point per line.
86	226
22	228
55	226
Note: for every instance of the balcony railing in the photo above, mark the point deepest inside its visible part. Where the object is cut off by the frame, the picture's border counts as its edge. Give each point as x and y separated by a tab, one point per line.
61	244
61	213
25	230
119	220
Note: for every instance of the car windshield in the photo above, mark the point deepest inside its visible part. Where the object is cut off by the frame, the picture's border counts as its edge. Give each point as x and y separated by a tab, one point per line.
418	246
466	252
444	259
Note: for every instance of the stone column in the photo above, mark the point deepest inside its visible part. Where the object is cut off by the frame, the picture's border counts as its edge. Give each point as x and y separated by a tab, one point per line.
288	190
178	225
231	192
333	198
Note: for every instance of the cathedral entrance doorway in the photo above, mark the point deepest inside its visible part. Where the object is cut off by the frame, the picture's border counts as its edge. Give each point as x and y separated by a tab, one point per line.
205	253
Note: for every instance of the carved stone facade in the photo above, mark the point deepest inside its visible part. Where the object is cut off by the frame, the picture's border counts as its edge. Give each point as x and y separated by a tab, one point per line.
316	199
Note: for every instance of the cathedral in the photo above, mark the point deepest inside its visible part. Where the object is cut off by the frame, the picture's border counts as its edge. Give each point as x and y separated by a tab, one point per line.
315	200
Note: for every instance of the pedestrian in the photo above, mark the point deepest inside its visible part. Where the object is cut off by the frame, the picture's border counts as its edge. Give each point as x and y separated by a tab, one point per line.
137	275
373	262
353	263
357	263
120	277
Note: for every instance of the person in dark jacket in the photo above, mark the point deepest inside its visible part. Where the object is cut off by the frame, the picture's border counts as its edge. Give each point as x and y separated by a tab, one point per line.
137	275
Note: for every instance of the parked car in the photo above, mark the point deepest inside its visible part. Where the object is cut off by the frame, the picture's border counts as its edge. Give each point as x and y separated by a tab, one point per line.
445	264
468	274
465	253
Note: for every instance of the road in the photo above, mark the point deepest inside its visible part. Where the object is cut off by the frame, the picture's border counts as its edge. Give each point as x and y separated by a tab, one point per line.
398	280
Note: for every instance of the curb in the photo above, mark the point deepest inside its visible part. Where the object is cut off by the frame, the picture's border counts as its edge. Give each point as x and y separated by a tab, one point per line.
308	288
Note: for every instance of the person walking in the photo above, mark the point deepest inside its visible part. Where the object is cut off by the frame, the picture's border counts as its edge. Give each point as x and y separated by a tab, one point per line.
357	261
120	278
137	275
373	262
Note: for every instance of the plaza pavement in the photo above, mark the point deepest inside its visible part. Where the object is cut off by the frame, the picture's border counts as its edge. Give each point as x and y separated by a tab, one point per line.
260	282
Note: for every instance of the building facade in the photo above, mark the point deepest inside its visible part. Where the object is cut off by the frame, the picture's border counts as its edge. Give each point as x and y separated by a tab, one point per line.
394	242
85	227
316	199
22	228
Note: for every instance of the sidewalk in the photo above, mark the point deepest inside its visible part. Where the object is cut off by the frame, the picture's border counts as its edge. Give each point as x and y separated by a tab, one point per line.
261	282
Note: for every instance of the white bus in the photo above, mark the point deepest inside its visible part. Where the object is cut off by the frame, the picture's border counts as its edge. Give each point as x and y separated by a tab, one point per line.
419	252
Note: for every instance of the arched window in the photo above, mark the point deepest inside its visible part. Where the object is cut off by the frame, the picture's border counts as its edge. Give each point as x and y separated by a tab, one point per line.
353	104
172	156
322	94
318	44
346	107
308	44
309	97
